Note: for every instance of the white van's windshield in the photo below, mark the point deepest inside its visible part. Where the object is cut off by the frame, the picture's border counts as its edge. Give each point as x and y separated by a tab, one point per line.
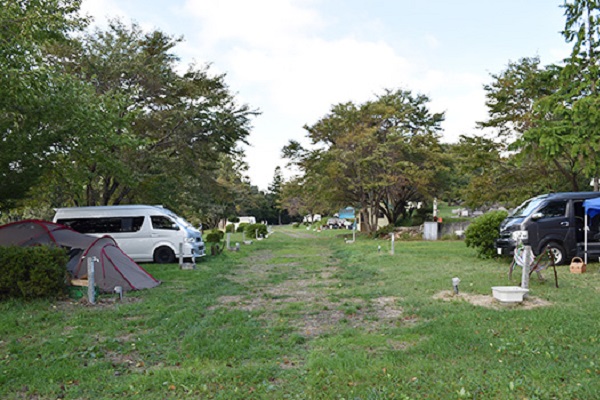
527	208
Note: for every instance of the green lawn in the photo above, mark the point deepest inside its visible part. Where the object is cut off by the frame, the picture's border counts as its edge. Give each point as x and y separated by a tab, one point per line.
304	315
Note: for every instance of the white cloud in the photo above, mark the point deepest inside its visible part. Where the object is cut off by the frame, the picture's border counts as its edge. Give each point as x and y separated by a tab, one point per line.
102	10
314	74
259	23
432	42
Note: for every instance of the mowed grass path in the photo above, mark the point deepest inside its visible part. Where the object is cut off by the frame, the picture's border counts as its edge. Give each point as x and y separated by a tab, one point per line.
303	315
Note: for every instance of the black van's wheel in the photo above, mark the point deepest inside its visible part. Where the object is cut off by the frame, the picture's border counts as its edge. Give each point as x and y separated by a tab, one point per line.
164	255
558	251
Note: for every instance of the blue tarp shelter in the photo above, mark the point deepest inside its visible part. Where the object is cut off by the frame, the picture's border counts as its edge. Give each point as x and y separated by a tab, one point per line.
592	209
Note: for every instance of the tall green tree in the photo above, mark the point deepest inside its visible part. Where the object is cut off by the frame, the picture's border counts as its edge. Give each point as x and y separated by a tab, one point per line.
274	193
521	166
40	105
377	156
568	120
163	131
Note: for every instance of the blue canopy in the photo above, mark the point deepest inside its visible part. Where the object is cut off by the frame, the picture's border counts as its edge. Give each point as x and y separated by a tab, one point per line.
592	207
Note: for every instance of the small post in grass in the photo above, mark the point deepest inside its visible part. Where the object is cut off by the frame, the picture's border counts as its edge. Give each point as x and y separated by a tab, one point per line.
91	279
527	260
455	282
180	255
392	235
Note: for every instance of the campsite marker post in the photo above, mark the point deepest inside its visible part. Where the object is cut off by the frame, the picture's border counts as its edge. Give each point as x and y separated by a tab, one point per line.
180	255
392	235
91	279
527	255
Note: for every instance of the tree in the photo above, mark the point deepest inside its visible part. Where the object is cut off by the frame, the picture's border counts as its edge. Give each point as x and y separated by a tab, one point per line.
378	155
568	120
40	105
274	193
161	133
520	166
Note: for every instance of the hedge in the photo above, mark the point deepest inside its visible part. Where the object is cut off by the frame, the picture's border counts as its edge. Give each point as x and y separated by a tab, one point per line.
33	272
250	230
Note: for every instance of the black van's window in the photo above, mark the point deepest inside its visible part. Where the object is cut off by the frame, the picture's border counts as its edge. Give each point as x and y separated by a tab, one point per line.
104	225
554	209
525	209
160	222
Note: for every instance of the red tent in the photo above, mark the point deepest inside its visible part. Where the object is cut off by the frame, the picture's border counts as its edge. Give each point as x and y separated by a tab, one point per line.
114	267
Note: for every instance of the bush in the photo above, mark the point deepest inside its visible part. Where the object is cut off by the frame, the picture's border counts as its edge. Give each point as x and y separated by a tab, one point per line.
482	232
241	227
214	236
250	230
422	215
230	228
33	272
296	225
385	231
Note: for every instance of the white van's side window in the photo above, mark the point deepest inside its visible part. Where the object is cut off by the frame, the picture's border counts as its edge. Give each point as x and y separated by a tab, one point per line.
160	222
103	224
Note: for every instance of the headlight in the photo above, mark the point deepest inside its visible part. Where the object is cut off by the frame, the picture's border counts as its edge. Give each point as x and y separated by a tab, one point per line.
520	235
189	240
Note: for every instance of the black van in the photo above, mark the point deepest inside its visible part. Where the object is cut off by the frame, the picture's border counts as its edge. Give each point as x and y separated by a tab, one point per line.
555	220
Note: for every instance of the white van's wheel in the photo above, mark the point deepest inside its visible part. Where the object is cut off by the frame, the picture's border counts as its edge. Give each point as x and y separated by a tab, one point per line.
164	255
558	252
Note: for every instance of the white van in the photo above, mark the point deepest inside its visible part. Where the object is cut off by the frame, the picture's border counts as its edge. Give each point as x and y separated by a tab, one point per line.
144	233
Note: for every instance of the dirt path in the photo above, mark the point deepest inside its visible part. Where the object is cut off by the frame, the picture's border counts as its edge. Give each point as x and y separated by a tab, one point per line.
298	235
308	291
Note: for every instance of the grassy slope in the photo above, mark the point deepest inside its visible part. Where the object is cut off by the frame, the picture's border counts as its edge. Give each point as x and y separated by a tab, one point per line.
302	317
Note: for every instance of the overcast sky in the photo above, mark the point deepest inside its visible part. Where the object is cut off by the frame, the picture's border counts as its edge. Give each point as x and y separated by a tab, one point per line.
294	59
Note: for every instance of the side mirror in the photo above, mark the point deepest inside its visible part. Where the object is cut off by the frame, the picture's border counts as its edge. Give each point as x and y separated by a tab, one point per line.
536	216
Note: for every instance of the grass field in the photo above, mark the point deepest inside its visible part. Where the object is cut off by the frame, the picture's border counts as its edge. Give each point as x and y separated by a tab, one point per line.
303	315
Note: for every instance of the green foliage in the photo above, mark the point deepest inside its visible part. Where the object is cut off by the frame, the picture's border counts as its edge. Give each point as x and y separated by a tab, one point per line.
422	215
233	219
32	272
214	236
104	118
40	105
230	228
482	232
241	227
379	155
251	230
384	231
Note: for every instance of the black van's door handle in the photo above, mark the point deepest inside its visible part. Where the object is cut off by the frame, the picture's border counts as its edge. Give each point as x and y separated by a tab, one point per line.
564	223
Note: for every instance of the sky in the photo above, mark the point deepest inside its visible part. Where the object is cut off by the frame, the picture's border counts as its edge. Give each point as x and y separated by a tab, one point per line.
294	59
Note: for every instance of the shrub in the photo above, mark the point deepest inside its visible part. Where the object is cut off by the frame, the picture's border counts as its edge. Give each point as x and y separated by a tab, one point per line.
385	231
482	232
422	215
296	225
33	272
250	230
230	228
233	219
214	236
241	227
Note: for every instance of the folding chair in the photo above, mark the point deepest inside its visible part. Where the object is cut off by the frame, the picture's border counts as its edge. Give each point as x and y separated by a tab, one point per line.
544	260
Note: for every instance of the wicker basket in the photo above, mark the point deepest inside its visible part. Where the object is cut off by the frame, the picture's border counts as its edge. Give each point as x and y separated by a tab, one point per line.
577	266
